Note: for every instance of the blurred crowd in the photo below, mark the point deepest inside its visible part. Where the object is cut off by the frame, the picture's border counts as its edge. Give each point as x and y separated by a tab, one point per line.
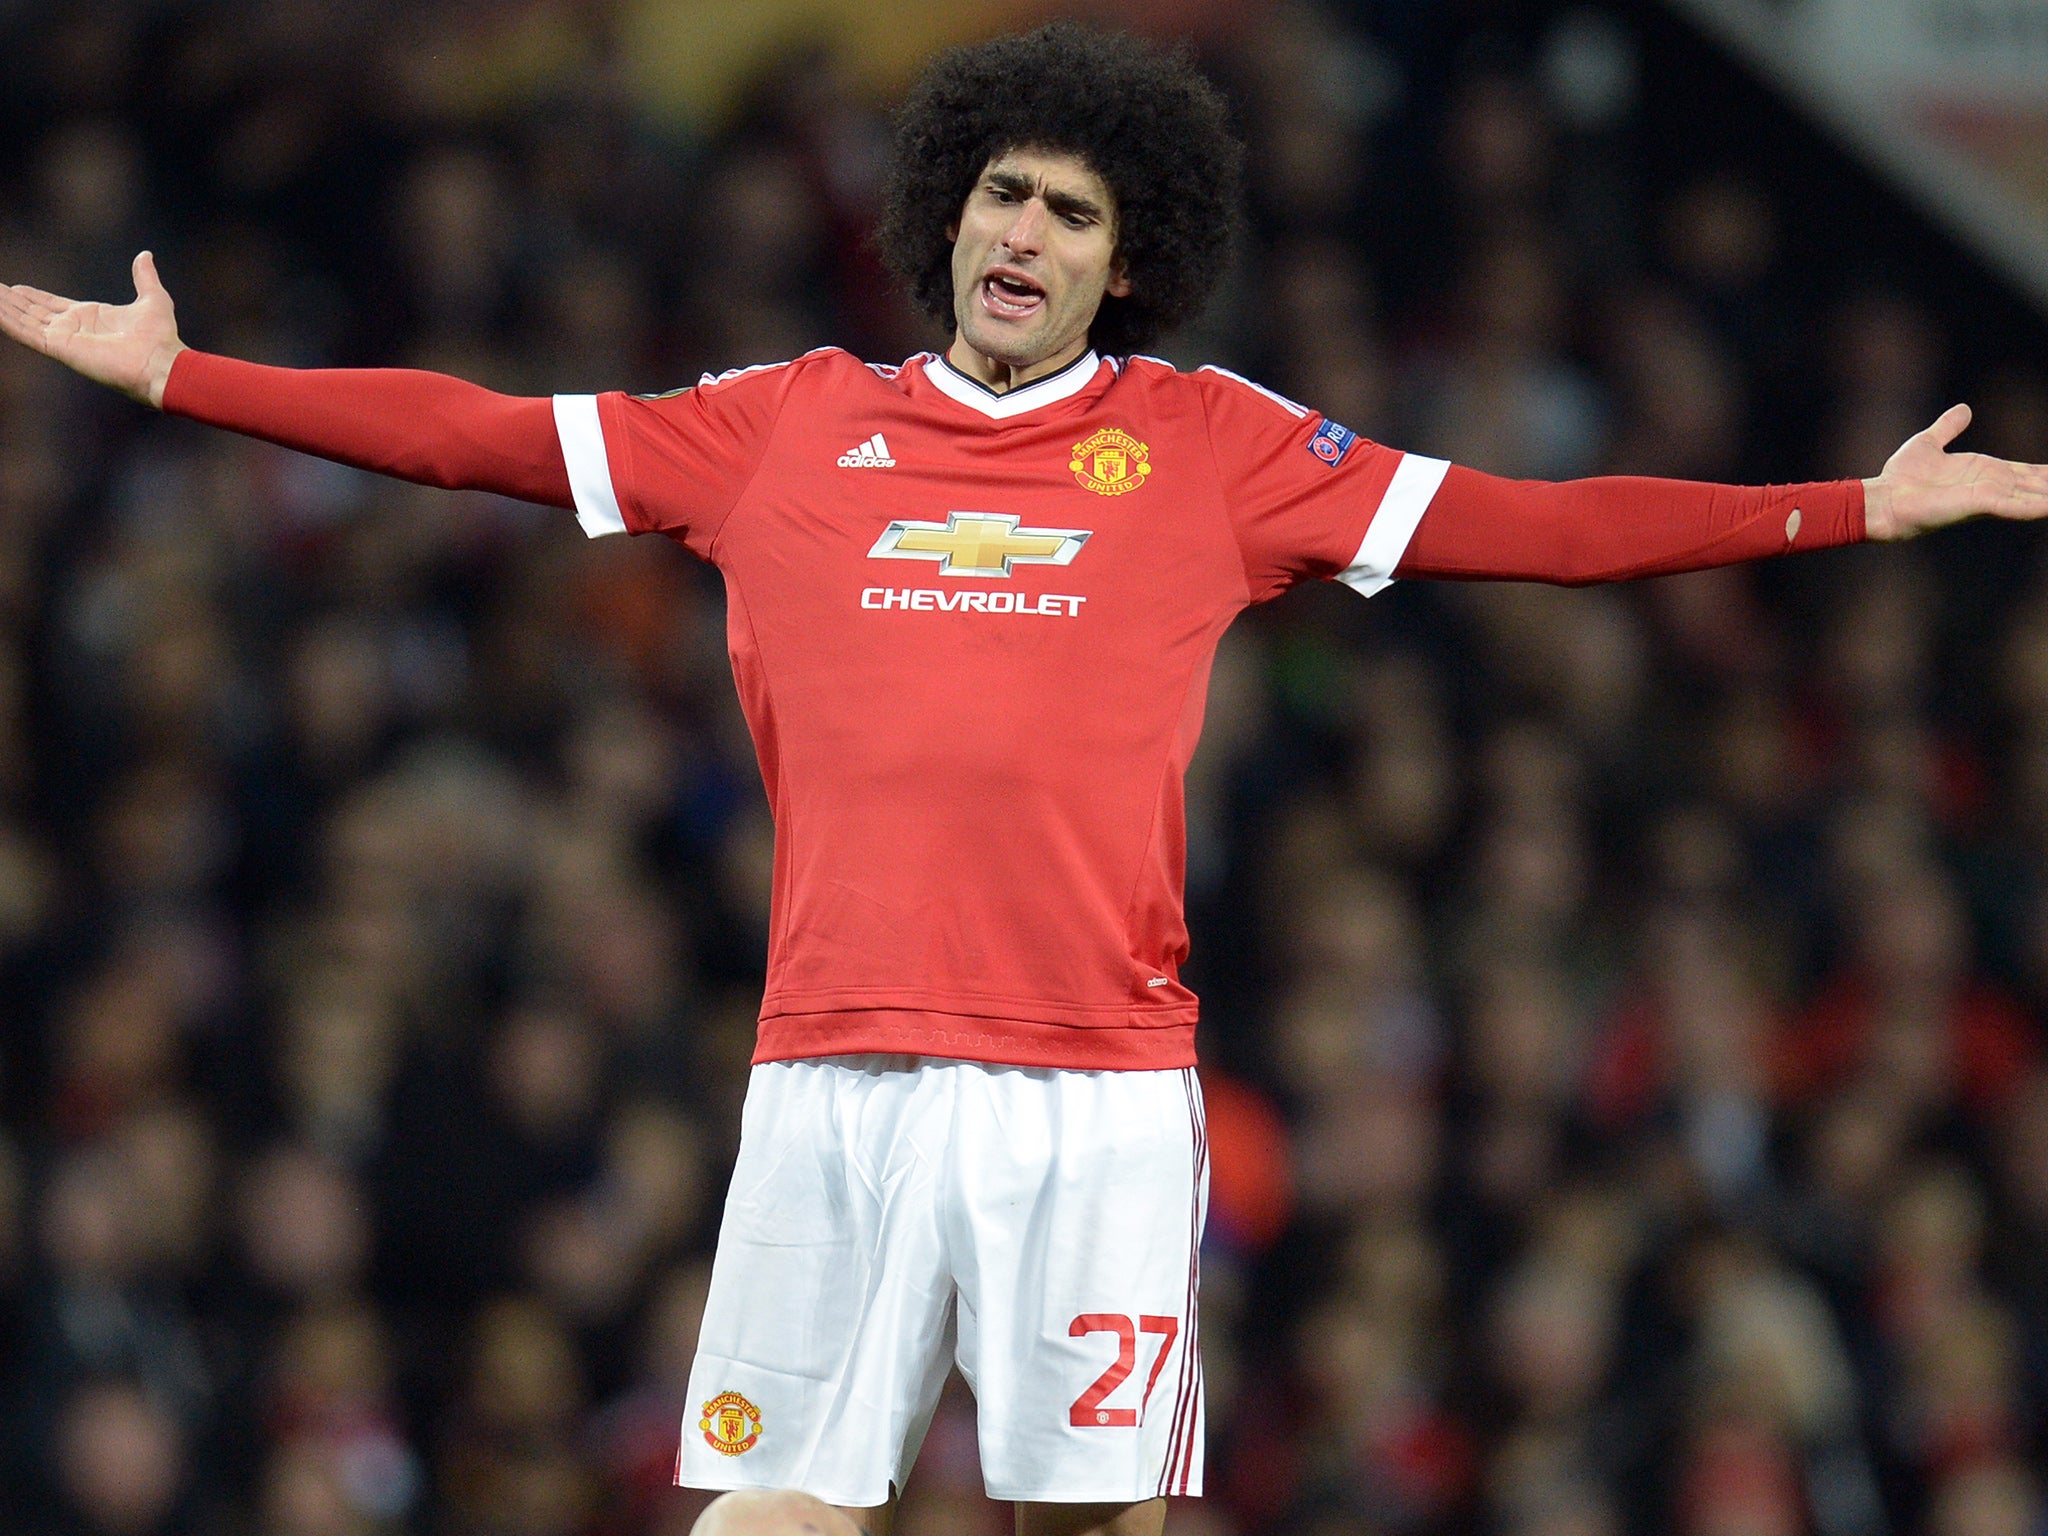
1624	1026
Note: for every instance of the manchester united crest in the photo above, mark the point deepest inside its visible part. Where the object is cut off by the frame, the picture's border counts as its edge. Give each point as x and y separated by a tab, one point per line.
1110	463
731	1424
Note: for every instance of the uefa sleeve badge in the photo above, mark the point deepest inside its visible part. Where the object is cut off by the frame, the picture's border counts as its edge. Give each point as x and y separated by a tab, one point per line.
1331	442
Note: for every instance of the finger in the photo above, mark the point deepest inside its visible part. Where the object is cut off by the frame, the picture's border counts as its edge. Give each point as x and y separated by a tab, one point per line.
12	303
1948	426
2031	485
147	283
14	318
28	299
17	321
36	314
2021	490
50	301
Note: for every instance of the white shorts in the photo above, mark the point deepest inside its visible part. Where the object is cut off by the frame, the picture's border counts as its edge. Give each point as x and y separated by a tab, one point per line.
892	1216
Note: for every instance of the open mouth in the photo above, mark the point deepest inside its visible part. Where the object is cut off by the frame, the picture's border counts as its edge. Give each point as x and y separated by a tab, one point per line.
1011	296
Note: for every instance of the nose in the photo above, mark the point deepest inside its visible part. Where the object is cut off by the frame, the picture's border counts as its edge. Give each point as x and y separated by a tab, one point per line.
1026	234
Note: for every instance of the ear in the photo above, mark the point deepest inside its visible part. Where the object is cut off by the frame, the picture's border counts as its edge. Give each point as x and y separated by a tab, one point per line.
952	232
1119	284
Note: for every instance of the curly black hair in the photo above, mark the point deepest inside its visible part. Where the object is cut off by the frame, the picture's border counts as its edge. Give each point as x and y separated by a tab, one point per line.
1142	118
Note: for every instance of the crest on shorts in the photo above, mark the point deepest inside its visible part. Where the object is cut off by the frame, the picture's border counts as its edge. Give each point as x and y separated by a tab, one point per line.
731	1424
1110	463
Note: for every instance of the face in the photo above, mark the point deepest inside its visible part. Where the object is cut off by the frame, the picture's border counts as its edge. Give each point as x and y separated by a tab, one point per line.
1034	252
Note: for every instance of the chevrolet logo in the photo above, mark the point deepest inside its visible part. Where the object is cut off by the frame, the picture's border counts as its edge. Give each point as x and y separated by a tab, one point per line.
978	544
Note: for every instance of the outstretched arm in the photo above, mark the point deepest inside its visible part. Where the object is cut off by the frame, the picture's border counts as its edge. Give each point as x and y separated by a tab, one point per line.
425	427
1576	531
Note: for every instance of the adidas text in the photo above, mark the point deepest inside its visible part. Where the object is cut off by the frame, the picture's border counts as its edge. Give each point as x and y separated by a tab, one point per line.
872	454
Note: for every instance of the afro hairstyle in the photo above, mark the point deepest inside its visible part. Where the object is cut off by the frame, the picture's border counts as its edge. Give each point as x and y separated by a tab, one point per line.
1142	118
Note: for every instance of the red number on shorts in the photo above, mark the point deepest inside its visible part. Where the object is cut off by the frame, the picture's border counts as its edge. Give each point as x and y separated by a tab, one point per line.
1088	1412
1169	1329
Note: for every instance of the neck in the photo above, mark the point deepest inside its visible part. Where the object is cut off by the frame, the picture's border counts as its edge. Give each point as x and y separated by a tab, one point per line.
1001	376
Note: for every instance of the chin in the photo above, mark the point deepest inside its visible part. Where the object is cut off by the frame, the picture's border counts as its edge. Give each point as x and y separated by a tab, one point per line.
1011	348
1012	351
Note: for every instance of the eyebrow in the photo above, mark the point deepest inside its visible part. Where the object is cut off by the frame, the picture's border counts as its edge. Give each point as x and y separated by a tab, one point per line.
1018	185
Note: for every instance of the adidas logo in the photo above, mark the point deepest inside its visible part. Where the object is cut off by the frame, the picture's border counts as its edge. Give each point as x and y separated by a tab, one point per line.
872	454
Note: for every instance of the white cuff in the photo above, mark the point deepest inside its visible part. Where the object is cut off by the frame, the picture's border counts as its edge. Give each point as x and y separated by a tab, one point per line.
1400	512
590	473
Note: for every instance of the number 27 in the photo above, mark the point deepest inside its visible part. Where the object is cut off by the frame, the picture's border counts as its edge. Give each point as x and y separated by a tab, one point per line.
1088	1412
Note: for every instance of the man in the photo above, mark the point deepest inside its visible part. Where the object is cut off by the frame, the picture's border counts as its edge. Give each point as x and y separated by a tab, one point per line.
972	606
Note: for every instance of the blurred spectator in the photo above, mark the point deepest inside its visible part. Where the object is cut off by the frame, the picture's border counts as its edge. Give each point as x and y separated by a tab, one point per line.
1504	396
1721	238
509	1458
304	1226
342	1460
102	1307
1680	406
121	1463
1996	1498
1688	1049
1887	357
2020	1254
633	1435
1906	1009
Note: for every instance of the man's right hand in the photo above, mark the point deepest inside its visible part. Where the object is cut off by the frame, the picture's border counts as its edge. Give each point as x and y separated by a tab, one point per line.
129	346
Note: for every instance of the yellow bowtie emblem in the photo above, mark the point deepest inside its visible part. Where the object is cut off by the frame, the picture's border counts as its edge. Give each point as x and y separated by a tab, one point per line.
978	544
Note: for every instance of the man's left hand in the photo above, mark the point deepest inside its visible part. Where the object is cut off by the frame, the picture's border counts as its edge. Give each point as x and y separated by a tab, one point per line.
1925	486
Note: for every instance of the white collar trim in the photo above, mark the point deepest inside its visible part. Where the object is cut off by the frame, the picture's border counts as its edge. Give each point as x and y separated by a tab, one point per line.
1051	389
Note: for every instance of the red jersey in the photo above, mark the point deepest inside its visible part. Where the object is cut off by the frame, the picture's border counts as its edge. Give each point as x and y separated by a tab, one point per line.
972	635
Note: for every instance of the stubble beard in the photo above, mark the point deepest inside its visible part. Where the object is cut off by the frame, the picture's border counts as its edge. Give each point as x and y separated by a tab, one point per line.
1010	349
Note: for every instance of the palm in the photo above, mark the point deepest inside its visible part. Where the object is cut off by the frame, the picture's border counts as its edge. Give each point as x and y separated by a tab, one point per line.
128	346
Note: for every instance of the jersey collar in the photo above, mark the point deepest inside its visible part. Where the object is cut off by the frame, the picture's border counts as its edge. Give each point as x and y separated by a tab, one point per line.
1054	387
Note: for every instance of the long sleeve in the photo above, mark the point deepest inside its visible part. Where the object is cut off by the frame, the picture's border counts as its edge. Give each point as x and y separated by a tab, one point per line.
1579	531
425	427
